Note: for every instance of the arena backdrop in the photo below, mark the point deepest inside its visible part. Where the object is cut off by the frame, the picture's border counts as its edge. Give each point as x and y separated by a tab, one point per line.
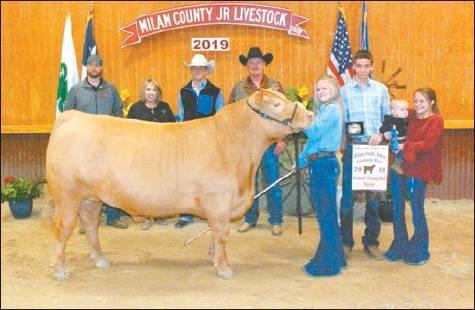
432	43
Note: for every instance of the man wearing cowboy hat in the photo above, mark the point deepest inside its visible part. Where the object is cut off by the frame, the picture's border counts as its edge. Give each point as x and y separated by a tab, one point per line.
255	63
199	98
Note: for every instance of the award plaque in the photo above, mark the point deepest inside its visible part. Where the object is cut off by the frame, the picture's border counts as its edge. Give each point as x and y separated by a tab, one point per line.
354	128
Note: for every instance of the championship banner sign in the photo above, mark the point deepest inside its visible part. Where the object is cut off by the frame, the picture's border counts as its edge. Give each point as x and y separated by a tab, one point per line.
214	14
370	167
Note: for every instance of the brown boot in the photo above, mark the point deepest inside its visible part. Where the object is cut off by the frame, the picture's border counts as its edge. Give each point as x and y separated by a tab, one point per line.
162	222
374	252
119	224
276	230
146	224
346	251
245	227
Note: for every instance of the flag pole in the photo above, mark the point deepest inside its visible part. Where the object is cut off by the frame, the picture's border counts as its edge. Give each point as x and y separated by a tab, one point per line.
298	202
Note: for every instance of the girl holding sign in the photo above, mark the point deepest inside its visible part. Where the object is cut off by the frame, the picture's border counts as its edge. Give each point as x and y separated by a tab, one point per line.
422	164
324	138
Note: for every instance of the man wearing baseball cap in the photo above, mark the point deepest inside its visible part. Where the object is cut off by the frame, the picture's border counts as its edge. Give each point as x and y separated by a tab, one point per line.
94	95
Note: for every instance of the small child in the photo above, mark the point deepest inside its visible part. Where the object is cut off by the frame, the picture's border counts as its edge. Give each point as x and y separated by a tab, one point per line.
397	119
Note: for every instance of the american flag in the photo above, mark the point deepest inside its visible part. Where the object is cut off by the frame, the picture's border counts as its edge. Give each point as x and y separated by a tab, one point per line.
340	61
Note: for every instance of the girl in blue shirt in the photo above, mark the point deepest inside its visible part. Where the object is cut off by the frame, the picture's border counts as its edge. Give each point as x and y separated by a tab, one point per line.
319	154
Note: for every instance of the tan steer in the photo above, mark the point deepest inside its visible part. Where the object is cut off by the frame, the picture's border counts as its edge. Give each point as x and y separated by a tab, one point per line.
204	167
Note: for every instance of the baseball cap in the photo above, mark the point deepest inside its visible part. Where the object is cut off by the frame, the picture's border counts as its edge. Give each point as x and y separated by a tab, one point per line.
95	58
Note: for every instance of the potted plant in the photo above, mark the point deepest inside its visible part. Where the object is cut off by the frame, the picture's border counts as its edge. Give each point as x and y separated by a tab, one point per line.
20	194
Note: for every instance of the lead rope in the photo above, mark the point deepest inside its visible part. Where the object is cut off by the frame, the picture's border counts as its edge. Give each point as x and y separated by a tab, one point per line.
185	243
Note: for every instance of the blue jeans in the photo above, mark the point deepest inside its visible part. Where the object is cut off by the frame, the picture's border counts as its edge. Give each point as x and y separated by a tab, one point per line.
329	257
372	221
270	170
398	156
416	249
186	217
112	214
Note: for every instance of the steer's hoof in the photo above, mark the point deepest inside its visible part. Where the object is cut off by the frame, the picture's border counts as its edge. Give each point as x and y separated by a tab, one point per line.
225	274
102	263
61	275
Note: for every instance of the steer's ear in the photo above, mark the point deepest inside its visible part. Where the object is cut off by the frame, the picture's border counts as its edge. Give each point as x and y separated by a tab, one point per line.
258	95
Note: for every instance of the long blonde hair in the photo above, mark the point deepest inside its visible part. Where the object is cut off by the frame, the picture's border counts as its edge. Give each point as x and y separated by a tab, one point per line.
156	86
335	100
335	90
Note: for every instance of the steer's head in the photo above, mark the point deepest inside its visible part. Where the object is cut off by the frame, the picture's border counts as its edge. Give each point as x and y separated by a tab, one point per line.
282	116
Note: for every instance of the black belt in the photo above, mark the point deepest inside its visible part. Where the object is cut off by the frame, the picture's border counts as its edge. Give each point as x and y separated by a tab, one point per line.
320	154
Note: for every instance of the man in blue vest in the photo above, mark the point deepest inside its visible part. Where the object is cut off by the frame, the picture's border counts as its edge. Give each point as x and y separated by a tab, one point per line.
197	99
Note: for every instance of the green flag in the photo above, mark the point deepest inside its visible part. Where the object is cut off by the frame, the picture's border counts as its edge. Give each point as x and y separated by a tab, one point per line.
68	70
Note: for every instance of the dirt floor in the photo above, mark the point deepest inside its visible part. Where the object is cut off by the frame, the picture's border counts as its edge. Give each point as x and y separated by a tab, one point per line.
151	269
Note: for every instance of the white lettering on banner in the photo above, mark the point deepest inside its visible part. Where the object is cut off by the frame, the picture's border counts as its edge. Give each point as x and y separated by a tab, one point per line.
370	167
166	21
254	15
192	16
223	14
149	24
230	13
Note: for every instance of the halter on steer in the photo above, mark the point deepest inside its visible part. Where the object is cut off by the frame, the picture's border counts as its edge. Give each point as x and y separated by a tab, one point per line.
285	122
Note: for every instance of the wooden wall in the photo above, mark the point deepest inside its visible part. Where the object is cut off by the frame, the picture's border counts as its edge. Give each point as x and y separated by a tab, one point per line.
23	155
431	41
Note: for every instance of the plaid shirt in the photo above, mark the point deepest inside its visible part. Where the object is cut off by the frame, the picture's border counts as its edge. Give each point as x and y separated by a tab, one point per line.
368	105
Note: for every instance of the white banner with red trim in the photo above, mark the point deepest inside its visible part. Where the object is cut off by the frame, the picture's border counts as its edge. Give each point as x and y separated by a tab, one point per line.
257	15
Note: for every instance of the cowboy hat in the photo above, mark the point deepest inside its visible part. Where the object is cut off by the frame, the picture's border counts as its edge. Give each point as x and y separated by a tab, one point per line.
199	60
255	52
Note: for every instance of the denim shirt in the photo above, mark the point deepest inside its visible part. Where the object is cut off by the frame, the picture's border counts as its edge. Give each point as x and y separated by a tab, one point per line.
324	134
219	101
368	105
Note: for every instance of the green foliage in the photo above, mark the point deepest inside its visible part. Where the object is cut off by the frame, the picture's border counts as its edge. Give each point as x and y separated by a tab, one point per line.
292	94
21	189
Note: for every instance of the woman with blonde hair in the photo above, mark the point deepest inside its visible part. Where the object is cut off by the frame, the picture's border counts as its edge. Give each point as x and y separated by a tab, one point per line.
319	154
151	108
